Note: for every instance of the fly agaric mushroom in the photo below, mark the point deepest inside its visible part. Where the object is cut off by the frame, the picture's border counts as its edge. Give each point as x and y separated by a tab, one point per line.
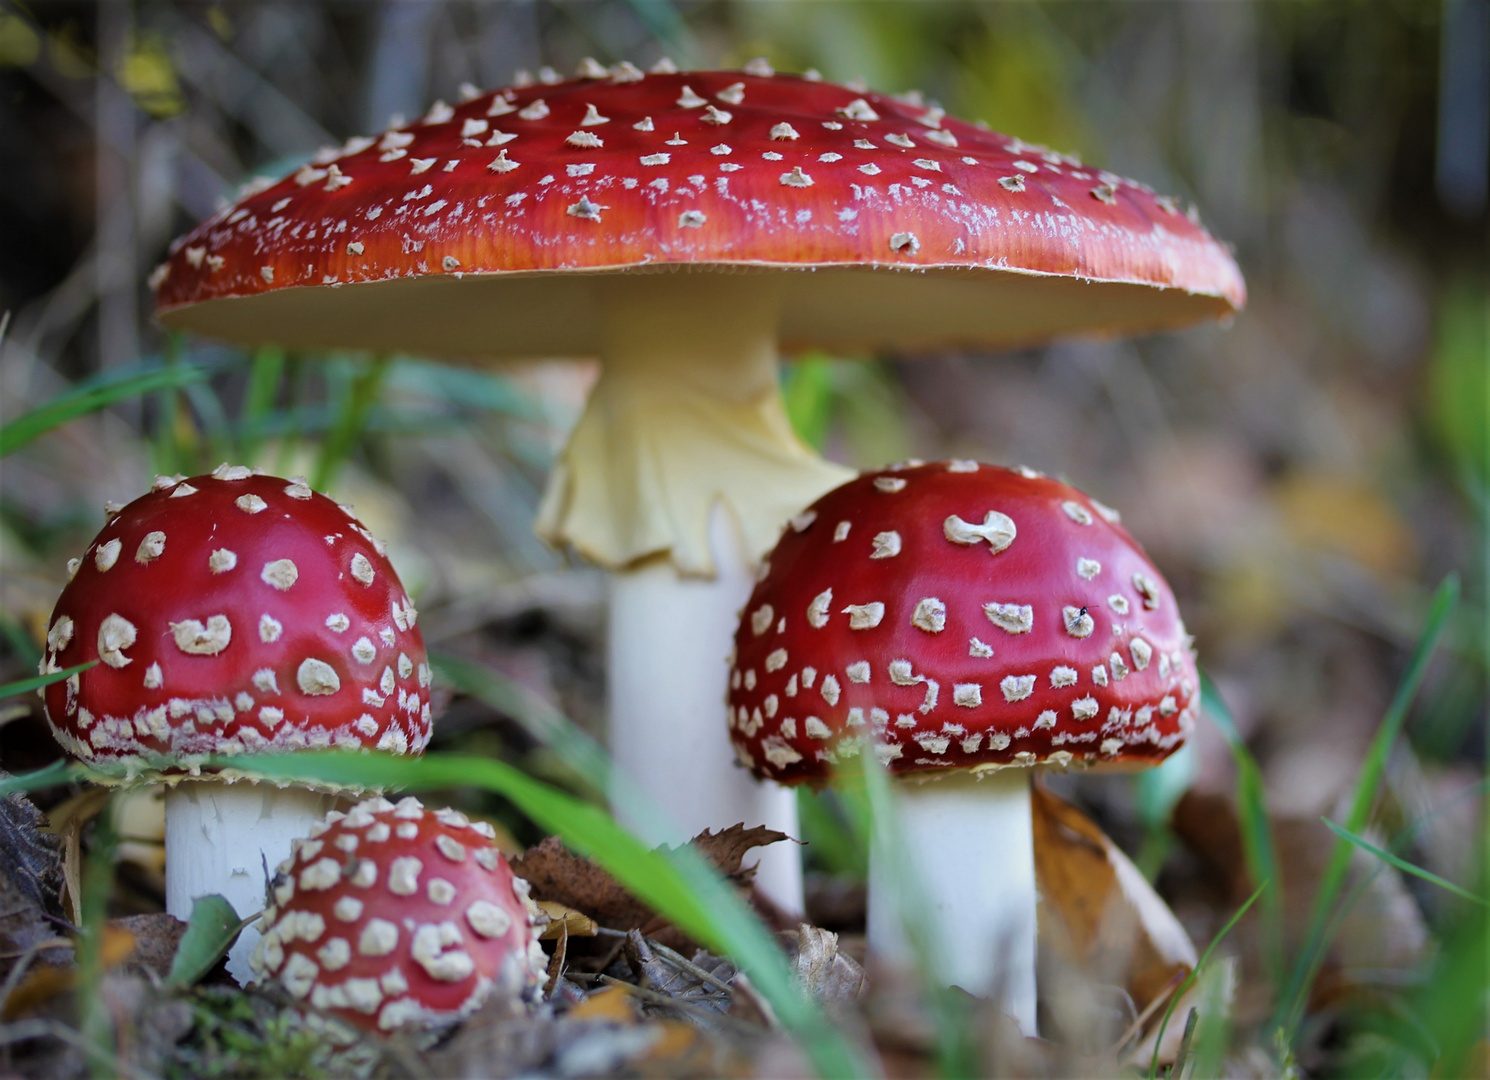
392	915
962	623
684	227
233	613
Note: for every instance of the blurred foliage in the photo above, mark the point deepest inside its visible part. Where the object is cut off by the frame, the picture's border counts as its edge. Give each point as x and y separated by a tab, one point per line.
1459	380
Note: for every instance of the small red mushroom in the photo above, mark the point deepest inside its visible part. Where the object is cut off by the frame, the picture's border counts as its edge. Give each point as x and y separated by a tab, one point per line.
393	915
959	621
233	613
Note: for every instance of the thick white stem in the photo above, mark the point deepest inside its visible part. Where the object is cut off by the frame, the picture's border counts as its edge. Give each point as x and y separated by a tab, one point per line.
221	837
678	477
669	640
962	880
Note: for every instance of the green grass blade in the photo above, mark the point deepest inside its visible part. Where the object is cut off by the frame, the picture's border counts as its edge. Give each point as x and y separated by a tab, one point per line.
677	883
91	396
1295	996
1258	849
1451	1003
61	771
361	393
210	932
36	682
570	743
21	643
215	428
1194	974
463	387
1401	863
807	392
168	453
265	375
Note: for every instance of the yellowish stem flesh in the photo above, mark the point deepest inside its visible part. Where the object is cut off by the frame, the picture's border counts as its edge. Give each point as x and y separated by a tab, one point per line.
687	413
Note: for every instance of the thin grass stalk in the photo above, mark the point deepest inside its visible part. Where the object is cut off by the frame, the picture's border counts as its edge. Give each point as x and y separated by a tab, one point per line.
1311	956
20	641
167	453
359	396
1258	848
1402	864
1200	966
95	1023
36	682
1213	1034
266	374
93	395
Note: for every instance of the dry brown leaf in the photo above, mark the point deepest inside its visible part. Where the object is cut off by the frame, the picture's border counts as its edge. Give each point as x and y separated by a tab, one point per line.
727	848
156	935
558	875
612	1004
41	984
67	820
1097	911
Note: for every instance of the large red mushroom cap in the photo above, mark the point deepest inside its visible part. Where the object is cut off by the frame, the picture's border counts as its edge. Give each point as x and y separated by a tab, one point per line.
957	615
392	915
234	613
481	229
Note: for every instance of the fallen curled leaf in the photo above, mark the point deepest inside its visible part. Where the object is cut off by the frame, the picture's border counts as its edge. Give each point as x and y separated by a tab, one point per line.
30	877
558	875
833	978
1097	912
556	962
566	921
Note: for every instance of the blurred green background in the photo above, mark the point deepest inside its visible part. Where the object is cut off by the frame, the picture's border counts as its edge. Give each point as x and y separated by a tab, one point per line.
1302	476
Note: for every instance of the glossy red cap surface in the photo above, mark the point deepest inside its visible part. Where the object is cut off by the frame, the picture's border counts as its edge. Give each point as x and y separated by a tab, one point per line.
625	171
957	615
393	915
234	613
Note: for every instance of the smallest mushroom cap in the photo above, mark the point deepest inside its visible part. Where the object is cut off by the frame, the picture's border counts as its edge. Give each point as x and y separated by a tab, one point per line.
391	915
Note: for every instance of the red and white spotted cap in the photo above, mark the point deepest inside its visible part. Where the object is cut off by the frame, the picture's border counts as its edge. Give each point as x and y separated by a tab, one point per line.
481	228
234	613
392	915
957	615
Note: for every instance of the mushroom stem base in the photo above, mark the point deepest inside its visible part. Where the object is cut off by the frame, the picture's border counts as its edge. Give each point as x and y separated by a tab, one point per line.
221	837
668	637
961	879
